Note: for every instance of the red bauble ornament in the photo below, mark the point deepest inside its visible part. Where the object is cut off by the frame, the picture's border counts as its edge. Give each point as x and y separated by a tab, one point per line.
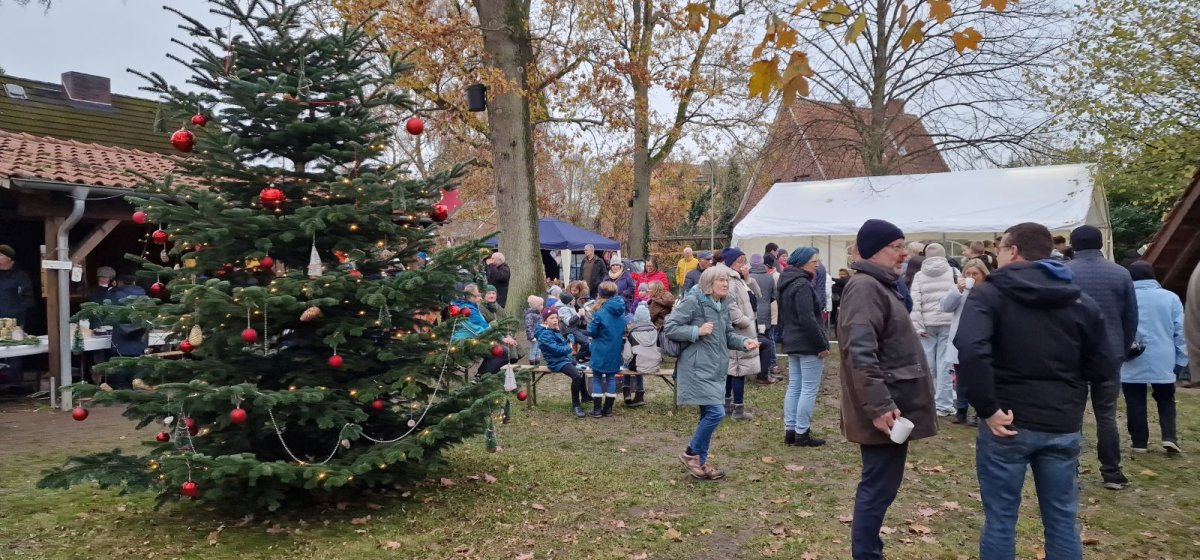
356	273
250	336
335	361
498	351
465	312
453	309
414	125
186	347
199	120
183	140
271	197
266	262
79	414
522	395
157	288
160	236
237	416
440	213
163	436
222	272
189	489
190	424
139	217
378	404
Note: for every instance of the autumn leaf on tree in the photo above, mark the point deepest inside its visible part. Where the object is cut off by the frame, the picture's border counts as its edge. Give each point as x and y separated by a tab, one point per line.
695	16
835	16
903	18
818	5
856	28
940	10
801	6
795	81
966	39
999	5
763	75
785	35
913	35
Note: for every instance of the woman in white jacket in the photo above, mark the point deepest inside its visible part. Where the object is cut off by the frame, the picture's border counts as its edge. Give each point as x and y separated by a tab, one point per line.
935	279
975	271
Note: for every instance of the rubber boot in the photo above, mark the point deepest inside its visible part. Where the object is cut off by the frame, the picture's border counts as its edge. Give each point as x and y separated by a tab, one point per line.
789	437
960	416
728	406
595	407
608	404
625	393
806	439
576	397
639	399
739	413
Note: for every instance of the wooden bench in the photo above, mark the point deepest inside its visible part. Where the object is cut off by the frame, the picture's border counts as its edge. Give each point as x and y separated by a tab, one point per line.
537	373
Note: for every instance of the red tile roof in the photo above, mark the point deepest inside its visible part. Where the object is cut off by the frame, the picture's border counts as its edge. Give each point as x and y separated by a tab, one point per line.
815	141
24	156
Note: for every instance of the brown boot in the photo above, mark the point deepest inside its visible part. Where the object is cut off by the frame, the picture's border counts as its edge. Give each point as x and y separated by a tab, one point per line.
712	473
692	462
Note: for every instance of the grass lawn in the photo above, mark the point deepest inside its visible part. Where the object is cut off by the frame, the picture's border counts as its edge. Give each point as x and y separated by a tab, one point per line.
609	488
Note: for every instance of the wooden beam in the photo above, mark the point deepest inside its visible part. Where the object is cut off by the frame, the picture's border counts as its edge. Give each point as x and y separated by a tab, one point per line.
93	239
50	292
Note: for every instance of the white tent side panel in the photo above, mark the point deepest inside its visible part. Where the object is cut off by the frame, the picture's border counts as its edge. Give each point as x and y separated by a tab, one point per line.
960	206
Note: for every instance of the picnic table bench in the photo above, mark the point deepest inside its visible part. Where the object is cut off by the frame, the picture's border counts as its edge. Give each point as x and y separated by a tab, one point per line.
537	373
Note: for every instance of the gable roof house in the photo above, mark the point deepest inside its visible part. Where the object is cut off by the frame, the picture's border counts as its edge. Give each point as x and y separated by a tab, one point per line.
817	141
68	154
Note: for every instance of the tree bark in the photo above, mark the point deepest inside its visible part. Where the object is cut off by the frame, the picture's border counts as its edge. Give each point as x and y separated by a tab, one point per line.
642	32
506	41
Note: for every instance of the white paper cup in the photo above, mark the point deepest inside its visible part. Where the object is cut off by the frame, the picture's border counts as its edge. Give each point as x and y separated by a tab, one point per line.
901	430
970	282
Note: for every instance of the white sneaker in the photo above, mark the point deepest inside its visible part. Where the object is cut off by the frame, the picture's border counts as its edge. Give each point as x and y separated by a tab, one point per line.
1142	449
1171	447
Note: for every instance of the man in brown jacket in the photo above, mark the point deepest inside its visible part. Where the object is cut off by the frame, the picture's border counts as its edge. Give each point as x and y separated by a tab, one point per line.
884	377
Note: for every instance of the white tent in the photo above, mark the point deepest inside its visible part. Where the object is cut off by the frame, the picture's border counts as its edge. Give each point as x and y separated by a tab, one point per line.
952	207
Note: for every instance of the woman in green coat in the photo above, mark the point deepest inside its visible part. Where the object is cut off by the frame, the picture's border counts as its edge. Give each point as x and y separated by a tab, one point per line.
701	321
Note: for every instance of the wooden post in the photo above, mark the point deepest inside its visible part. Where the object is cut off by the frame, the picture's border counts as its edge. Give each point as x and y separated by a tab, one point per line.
50	291
93	239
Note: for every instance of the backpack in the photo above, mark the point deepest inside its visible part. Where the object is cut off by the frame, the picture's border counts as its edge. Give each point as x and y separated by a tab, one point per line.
671	348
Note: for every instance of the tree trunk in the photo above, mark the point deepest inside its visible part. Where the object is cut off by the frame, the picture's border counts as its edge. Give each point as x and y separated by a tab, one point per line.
508	46
643	30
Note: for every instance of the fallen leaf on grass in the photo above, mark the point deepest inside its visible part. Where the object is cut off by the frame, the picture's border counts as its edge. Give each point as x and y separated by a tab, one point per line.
810	555
341	506
446	483
464	550
360	520
793	468
705	531
973	495
779	500
244	521
926	512
1091	540
951	506
768	460
526	556
276	529
918	529
885	530
474	478
82	515
779	532
1040	552
214	536
538	507
804	514
1147	534
373	507
390	545
935	469
929	540
120	508
640	556
1148	472
619	524
673	534
846	518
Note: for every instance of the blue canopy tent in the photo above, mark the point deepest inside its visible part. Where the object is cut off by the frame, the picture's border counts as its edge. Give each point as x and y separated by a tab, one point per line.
557	235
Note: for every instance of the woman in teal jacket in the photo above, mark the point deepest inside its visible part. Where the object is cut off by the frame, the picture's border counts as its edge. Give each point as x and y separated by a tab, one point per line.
701	321
1160	330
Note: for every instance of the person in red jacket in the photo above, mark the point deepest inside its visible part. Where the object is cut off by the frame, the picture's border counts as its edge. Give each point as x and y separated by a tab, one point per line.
651	274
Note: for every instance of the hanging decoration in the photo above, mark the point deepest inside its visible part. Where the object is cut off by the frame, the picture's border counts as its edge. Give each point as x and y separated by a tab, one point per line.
79	414
199	120
271	197
314	262
249	335
160	236
186	347
237	415
266	262
414	125
189	489
183	140
139	217
195	336
310	314
440	213
335	361
163	437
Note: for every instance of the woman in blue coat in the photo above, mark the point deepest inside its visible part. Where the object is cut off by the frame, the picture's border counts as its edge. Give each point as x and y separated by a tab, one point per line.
607	331
701	321
1160	330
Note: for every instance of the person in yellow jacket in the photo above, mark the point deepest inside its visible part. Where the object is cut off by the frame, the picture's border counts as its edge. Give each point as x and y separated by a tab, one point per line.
685	265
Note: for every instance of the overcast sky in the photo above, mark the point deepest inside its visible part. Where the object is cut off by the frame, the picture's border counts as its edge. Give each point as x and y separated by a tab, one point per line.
102	37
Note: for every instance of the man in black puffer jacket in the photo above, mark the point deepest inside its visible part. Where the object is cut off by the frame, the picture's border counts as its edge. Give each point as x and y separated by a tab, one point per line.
1112	288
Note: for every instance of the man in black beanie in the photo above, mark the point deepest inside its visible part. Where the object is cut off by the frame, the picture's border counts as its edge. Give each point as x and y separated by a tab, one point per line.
1112	288
884	377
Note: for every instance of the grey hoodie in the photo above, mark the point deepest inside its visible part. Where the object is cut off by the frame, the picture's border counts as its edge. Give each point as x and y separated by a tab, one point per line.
768	294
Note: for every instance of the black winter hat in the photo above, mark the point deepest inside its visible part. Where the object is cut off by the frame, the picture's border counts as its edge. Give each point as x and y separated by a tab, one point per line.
1085	238
1141	270
874	235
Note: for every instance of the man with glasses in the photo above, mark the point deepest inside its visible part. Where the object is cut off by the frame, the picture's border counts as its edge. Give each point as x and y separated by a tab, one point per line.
884	377
1029	342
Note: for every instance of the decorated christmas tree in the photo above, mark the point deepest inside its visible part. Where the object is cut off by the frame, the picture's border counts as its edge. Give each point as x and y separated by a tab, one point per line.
318	348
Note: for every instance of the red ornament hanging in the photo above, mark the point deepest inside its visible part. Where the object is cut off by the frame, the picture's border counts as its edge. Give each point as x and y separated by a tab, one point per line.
237	415
157	289
440	213
163	437
266	262
465	312
79	414
522	395
189	489
199	120
414	125
186	347
190	424
453	309
160	236
271	197
356	273
498	351
335	361
183	140
139	217
378	404
250	336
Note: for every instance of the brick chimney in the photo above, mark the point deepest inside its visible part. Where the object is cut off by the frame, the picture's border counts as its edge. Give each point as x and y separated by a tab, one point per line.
86	87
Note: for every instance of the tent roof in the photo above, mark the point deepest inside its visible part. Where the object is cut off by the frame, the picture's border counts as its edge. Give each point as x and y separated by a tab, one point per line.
554	233
989	200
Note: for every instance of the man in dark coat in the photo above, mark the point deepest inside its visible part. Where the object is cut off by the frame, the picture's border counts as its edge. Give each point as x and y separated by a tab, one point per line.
1112	288
1029	342
884	377
593	270
766	301
693	277
16	288
498	275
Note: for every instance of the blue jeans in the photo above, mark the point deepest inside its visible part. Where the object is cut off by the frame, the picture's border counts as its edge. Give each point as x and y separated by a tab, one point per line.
804	380
735	388
1000	464
710	417
935	343
604	384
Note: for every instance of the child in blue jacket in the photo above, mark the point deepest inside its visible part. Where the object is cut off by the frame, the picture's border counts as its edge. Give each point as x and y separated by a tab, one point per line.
607	331
557	352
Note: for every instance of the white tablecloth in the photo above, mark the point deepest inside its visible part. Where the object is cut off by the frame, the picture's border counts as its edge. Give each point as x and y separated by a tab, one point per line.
101	342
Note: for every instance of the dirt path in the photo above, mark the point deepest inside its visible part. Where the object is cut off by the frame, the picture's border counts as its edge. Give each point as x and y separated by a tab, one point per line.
28	427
